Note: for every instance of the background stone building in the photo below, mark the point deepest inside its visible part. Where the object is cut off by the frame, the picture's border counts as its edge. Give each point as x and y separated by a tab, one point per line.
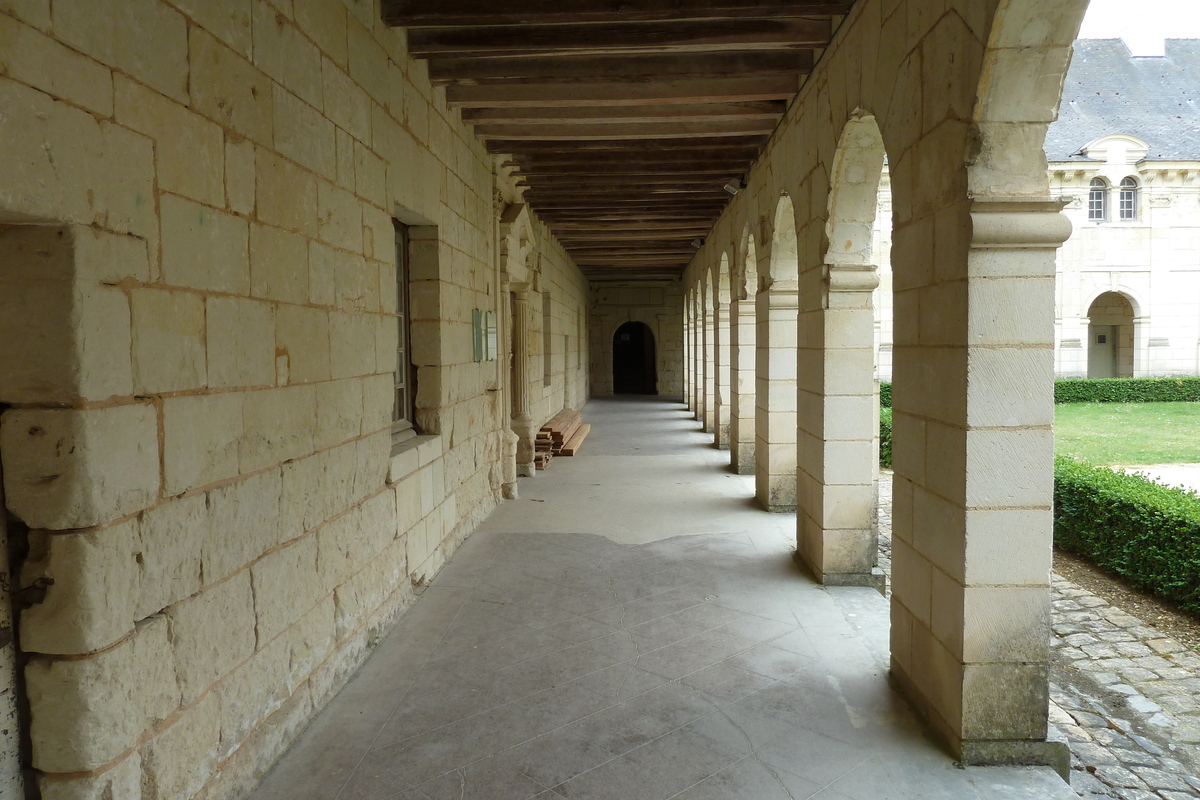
1125	155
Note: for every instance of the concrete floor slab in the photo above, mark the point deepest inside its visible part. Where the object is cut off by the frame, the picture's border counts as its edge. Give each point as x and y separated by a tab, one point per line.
632	627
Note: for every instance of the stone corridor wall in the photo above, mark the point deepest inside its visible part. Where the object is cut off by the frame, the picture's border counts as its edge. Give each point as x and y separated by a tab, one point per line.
658	304
197	345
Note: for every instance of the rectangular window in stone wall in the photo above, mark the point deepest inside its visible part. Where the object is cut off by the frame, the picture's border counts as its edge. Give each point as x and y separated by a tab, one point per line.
405	384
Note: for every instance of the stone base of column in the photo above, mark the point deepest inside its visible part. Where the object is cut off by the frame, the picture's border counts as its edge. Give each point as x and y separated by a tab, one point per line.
742	458
775	493
1053	751
526	470
876	578
721	439
509	491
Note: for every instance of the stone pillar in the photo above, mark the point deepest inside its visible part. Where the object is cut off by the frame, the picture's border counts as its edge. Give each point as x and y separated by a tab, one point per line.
837	473
522	422
687	351
710	370
777	309
973	452
741	386
721	375
697	358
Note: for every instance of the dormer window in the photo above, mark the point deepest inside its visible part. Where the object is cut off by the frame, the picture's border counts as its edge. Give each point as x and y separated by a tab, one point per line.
1098	200
1128	202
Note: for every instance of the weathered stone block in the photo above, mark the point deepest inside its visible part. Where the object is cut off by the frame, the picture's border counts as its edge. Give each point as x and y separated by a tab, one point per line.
278	265
279	426
286	194
304	135
241	342
42	62
143	38
227	88
286	586
171	537
239	175
244	524
75	468
339	412
203	248
200	440
122	780
228	20
340	217
211	633
302	337
86	712
352	344
190	149
168	341
282	52
180	760
91	602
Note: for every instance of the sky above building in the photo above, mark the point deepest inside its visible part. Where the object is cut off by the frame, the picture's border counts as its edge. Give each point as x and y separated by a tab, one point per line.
1144	24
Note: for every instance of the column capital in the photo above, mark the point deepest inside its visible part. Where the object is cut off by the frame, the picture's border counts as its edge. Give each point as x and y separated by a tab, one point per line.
1019	222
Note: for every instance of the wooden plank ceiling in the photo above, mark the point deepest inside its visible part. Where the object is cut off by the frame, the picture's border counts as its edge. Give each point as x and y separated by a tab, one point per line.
624	119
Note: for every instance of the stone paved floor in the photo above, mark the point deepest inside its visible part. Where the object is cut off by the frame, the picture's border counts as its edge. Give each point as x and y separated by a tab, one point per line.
602	637
1126	696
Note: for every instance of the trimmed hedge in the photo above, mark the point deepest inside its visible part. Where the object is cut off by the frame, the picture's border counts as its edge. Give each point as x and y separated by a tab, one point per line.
1146	533
1106	390
1127	390
885	438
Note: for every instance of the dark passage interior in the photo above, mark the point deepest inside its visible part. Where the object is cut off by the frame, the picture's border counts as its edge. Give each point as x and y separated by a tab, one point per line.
633	360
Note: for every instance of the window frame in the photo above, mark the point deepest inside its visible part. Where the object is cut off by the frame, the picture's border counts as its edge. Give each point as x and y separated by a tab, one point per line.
1127	199
404	383
1097	203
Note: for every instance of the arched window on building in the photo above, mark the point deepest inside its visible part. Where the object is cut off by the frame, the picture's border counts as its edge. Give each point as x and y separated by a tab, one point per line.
1098	200
1128	203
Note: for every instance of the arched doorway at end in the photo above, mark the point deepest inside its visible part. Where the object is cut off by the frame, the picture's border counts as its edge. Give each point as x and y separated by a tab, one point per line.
634	360
1110	337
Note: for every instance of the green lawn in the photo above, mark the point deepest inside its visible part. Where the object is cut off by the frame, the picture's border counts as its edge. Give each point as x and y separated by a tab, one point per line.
1129	433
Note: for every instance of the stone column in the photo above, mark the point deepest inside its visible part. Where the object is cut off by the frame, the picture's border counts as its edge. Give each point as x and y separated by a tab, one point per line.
777	309
973	452
741	386
837	473
697	358
710	370
687	352
522	422
721	374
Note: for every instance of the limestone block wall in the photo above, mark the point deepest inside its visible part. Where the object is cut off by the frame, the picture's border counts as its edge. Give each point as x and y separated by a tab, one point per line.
658	304
568	291
197	346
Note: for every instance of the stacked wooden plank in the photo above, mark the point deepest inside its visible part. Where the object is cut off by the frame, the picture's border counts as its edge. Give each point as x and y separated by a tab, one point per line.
572	444
561	436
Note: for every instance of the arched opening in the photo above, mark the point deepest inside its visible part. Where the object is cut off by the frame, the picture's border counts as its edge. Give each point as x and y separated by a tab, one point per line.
777	322
744	286
1110	337
836	532
634	369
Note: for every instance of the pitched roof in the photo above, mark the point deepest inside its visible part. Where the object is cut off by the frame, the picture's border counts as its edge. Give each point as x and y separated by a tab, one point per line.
1109	91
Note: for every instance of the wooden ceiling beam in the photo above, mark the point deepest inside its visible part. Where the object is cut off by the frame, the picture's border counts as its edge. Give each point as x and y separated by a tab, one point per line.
677	112
637	171
684	157
447	13
614	93
500	70
619	181
548	132
671	36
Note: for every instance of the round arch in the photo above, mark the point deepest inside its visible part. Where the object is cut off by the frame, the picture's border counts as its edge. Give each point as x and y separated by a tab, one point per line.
635	359
745	283
784	262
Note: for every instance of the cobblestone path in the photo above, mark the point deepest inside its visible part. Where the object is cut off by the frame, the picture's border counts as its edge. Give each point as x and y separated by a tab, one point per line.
1126	696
